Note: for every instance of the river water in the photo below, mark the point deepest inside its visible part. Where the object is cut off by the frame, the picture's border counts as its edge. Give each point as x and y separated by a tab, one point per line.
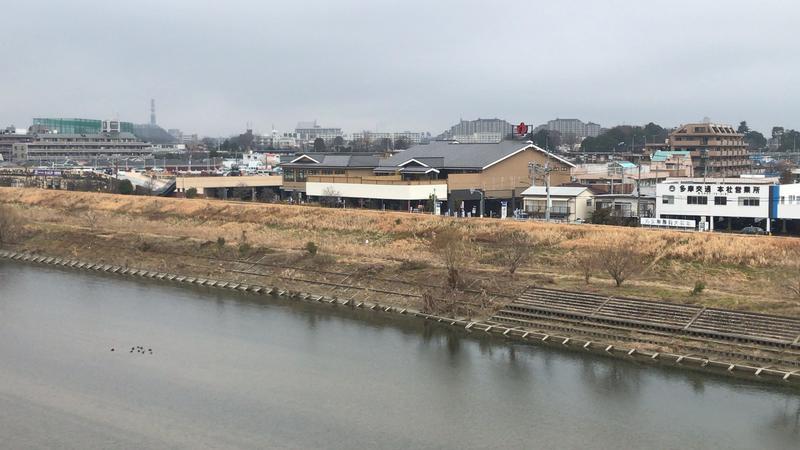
238	371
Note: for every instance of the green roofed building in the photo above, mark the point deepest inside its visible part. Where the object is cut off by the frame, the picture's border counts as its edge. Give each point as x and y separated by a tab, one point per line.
80	126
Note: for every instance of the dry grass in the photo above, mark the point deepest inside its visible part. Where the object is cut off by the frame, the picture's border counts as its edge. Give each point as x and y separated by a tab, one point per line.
740	271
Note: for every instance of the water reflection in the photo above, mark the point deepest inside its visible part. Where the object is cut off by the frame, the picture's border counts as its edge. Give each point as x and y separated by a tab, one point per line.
786	419
304	375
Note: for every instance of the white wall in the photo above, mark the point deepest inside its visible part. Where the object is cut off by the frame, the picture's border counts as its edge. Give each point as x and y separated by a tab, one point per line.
379	191
731	209
788	202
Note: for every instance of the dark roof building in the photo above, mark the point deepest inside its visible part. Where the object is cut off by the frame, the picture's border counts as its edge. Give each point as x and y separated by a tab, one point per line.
453	156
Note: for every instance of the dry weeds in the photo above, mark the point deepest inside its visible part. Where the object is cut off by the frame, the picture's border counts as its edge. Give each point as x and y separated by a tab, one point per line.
741	271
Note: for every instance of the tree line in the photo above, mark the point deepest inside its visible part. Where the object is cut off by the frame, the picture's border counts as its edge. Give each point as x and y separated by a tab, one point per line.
632	138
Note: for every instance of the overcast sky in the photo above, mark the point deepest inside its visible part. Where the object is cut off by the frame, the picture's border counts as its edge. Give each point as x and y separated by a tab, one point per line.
214	66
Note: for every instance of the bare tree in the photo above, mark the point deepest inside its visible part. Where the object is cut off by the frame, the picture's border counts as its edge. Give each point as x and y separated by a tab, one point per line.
452	246
10	224
518	247
622	260
792	281
91	219
330	197
587	263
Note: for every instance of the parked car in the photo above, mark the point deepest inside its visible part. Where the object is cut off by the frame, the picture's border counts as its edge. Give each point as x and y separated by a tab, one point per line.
753	230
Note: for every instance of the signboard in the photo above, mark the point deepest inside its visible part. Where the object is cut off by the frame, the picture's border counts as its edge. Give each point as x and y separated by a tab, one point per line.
522	129
503	210
673	223
718	190
437	208
46	172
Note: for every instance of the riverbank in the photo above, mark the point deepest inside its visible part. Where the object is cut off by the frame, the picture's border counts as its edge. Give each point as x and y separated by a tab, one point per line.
567	339
387	261
393	251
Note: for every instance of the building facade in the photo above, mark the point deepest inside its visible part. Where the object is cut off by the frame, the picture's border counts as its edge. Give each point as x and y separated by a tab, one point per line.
567	203
412	138
309	131
78	126
716	201
62	147
479	127
495	173
717	150
574	127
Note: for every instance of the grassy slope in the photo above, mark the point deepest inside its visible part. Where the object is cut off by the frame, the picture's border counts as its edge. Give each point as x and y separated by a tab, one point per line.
741	272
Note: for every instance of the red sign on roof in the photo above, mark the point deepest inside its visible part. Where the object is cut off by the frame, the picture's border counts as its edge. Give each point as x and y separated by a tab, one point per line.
522	129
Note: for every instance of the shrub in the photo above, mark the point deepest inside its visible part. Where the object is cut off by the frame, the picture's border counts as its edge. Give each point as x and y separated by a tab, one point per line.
244	248
413	265
220	241
10	224
191	193
698	288
311	248
452	246
125	187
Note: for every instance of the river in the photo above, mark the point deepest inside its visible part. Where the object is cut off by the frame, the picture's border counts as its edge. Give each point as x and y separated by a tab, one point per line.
240	371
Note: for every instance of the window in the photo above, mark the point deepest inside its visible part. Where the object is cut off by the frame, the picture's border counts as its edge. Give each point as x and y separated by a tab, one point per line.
696	200
668	199
720	200
749	201
588	202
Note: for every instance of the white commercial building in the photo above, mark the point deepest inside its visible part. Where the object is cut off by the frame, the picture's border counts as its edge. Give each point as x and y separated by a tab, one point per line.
713	201
786	201
377	189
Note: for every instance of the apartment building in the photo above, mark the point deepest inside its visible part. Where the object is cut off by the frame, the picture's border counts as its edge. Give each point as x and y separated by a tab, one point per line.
574	127
411	137
58	147
309	131
716	150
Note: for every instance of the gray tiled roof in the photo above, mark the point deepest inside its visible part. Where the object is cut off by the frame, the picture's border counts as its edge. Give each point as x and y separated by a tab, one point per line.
328	160
442	154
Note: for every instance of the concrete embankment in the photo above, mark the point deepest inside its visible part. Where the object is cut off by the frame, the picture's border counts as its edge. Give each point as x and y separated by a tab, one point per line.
561	339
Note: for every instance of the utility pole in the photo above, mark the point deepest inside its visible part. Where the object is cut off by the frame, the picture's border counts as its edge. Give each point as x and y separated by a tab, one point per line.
544	170
639	190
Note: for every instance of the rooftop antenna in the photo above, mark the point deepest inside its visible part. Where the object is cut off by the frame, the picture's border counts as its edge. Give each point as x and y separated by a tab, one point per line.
153	111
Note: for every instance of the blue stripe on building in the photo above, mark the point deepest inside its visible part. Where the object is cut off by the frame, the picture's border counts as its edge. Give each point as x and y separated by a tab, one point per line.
774	197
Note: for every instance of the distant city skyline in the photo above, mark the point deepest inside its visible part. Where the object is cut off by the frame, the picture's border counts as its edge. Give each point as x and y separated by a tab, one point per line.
395	66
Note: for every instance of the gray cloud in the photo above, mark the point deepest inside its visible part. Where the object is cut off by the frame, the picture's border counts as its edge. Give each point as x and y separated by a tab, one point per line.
396	65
